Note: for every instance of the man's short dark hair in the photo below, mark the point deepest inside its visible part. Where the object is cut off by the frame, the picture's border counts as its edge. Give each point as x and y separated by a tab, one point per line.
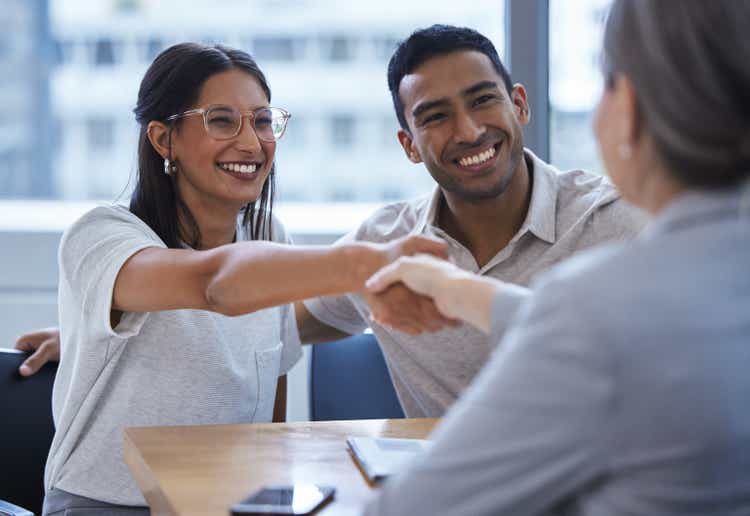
437	40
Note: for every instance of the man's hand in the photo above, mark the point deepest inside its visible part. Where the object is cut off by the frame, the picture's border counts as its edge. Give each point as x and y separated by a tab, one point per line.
403	310
415	244
45	346
456	294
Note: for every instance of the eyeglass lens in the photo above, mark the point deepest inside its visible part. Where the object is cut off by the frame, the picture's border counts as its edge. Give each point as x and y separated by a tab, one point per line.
223	122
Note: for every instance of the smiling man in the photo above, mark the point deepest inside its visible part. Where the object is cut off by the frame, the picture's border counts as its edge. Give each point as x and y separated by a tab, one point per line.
504	212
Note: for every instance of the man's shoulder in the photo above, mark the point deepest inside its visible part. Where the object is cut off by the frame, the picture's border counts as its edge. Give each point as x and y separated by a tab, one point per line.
393	220
585	188
583	195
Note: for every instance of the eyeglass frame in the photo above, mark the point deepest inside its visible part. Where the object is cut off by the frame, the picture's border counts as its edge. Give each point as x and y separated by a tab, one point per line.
286	115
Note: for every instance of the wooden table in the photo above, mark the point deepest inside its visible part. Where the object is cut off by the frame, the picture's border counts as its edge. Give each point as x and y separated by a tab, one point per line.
203	470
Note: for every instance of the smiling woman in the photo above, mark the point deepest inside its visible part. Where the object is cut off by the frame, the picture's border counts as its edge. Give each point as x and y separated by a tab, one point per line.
144	291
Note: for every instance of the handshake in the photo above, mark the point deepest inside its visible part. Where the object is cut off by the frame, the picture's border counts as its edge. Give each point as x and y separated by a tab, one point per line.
408	285
419	291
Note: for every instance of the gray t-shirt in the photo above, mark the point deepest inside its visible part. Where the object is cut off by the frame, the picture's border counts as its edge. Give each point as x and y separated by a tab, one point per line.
568	212
172	367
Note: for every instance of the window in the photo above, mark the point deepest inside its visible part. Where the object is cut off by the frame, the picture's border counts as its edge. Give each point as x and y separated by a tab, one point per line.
339	48
63	52
101	133
104	52
325	64
149	49
384	47
274	49
575	81
342	130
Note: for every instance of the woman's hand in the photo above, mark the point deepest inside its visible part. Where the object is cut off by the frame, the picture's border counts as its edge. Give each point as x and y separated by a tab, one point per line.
457	294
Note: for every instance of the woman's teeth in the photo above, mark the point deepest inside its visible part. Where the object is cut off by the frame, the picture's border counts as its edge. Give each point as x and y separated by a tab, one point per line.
478	158
237	167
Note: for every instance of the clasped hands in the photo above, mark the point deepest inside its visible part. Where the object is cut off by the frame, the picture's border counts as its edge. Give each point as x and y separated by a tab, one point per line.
412	294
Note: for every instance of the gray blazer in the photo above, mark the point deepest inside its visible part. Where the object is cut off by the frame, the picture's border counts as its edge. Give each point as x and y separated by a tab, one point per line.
622	388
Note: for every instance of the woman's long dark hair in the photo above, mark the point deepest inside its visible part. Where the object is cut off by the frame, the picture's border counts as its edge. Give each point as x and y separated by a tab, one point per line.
172	85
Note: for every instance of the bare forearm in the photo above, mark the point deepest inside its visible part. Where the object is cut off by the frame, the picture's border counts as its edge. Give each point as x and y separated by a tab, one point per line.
257	275
311	330
470	298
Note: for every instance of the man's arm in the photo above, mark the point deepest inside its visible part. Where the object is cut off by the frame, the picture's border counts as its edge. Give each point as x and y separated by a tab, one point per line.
311	330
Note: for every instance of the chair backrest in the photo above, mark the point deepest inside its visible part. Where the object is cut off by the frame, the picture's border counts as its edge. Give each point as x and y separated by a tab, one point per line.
349	380
26	430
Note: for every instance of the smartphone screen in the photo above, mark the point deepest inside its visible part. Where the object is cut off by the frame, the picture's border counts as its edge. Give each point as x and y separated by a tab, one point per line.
296	499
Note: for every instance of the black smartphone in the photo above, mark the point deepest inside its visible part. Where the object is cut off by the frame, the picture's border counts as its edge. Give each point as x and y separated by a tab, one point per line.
294	499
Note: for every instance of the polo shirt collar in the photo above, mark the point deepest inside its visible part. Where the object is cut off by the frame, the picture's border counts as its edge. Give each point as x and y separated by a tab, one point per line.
542	214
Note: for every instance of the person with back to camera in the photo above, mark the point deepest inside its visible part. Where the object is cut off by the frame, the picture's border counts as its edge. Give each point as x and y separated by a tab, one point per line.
146	292
621	386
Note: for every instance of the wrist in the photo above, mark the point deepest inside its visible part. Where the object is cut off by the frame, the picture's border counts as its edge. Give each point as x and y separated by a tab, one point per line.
361	260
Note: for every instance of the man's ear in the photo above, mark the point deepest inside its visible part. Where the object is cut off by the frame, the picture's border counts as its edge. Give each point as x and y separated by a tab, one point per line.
520	100
408	145
158	135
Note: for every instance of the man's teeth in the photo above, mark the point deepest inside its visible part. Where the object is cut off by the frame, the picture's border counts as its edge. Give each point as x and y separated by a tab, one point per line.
237	167
478	158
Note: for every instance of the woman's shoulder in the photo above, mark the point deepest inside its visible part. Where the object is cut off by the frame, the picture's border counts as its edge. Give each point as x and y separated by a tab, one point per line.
108	219
105	213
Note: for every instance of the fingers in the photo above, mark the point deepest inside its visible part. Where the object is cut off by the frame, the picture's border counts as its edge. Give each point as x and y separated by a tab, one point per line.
432	313
46	352
427	245
31	341
399	308
385	277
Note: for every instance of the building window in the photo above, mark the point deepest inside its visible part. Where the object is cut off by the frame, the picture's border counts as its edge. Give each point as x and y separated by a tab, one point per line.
339	49
275	49
63	52
100	133
149	49
104	52
384	47
389	129
575	81
342	130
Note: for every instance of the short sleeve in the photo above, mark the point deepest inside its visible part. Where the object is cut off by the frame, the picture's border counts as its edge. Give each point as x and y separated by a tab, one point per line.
91	254
617	221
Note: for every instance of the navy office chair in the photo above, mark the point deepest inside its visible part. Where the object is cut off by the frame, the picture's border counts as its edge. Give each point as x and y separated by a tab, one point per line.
349	380
25	434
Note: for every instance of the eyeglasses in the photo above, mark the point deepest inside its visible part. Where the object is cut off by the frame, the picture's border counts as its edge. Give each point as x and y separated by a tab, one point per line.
225	122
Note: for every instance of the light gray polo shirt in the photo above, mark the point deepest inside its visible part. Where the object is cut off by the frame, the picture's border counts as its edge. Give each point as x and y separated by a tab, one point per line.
568	212
171	367
620	389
